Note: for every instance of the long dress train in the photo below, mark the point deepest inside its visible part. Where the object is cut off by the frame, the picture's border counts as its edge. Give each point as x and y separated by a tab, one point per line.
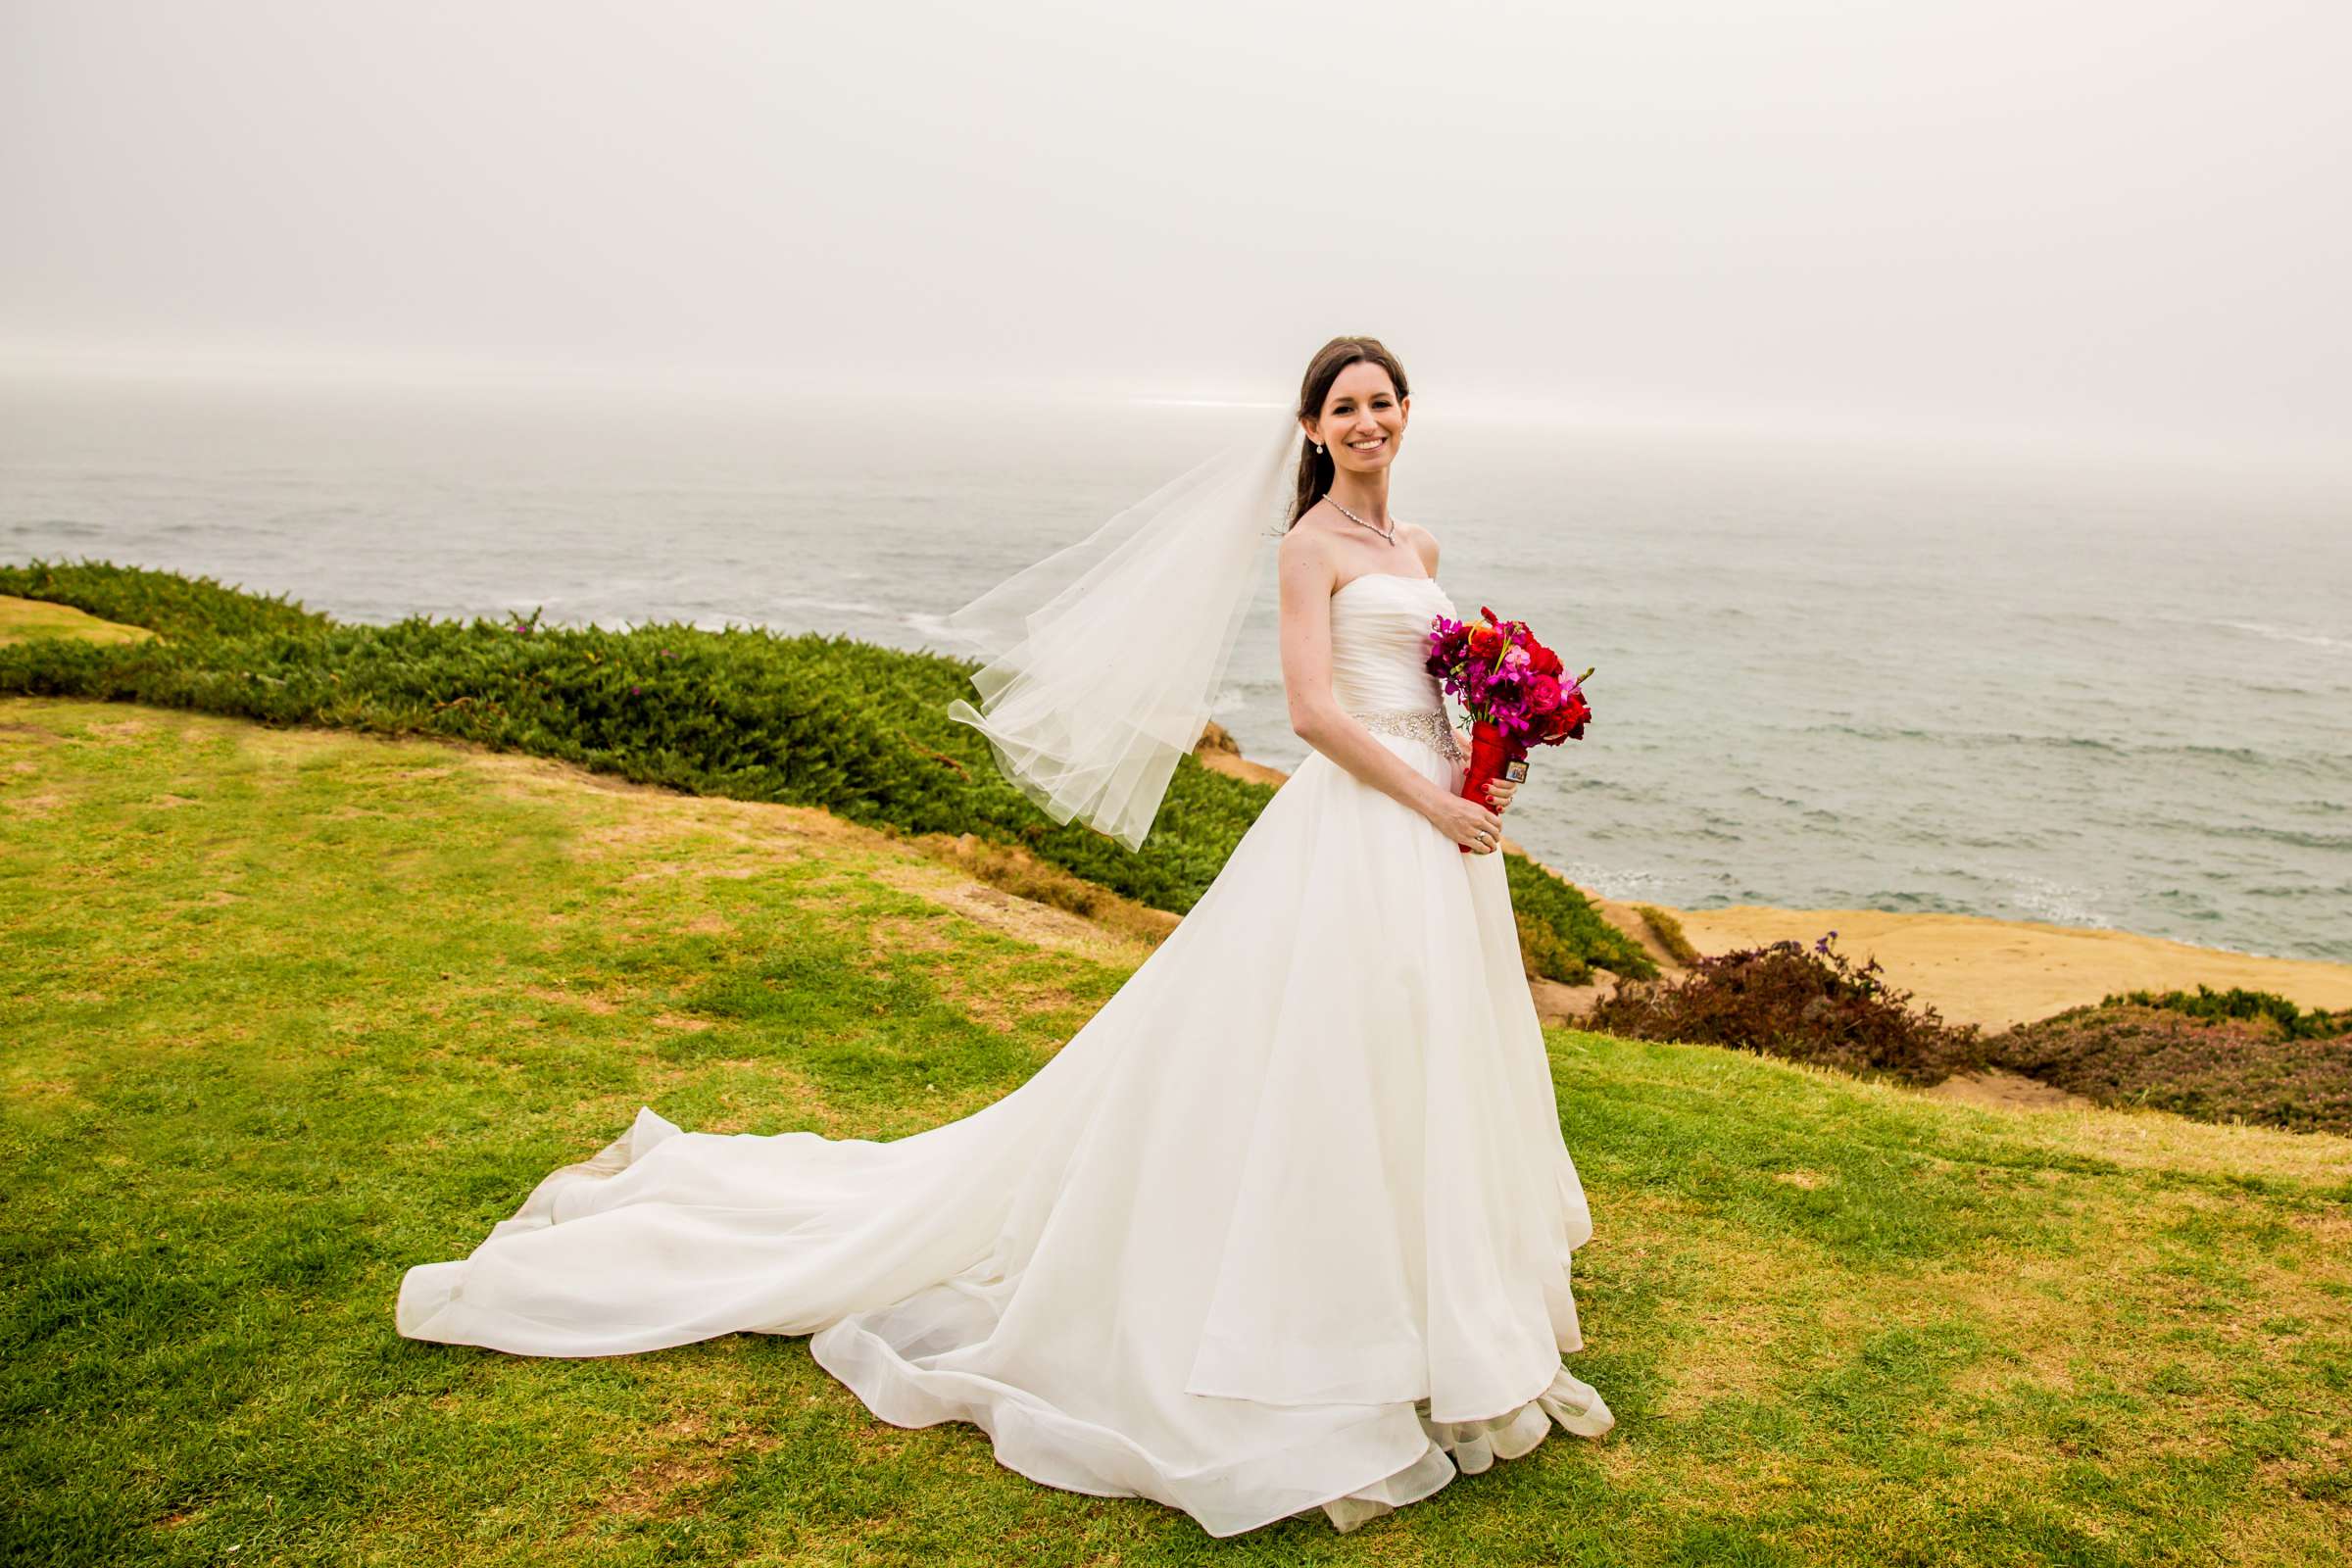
1286	1226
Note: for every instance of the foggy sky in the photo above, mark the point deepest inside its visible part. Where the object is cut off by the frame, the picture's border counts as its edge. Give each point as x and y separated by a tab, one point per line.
2104	215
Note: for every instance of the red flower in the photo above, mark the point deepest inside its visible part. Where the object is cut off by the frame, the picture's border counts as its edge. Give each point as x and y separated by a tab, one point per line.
1570	718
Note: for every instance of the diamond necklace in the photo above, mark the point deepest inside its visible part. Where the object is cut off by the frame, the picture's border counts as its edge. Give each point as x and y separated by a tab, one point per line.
1386	538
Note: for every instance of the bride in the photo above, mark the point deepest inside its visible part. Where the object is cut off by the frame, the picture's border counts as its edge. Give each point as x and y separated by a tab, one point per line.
1286	1226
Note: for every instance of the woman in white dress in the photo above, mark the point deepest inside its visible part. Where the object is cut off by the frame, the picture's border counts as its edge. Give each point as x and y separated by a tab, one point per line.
1286	1226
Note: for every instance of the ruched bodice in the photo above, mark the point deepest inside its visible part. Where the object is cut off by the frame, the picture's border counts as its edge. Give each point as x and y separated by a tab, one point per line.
1380	642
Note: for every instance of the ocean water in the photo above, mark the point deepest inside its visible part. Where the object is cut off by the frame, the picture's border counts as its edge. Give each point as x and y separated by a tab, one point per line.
1832	675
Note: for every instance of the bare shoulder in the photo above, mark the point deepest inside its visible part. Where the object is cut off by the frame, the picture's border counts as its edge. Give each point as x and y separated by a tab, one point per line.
1305	556
1423	541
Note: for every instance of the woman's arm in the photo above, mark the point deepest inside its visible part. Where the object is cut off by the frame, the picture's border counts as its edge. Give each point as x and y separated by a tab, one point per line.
1307	577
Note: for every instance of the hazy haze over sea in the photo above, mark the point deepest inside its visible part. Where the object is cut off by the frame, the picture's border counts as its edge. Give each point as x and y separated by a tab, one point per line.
1830	673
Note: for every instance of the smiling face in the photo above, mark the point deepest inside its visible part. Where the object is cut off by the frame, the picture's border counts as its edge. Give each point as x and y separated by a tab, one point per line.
1364	418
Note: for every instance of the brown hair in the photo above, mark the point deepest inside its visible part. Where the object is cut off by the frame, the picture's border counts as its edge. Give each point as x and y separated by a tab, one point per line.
1316	467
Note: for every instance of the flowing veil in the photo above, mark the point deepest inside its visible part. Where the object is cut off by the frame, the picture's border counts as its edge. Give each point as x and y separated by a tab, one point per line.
1103	657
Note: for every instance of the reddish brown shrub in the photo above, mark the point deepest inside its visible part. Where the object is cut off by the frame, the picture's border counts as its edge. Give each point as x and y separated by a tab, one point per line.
1810	1005
2219	1068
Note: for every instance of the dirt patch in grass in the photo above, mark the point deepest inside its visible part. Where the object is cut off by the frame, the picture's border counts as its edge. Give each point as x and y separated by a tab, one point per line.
1039	884
1996	1089
54	1090
690	1455
40	805
889	935
588	1000
1558	1003
1023	919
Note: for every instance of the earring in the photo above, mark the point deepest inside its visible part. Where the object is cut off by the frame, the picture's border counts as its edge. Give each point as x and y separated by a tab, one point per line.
1318	448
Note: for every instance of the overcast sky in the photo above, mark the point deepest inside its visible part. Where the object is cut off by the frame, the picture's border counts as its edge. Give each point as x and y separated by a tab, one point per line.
2118	217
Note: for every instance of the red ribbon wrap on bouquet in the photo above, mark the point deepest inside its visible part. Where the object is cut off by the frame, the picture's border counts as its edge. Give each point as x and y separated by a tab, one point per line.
1491	749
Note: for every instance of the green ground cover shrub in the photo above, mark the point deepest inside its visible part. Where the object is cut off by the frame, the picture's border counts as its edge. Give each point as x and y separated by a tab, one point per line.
2238	1002
818	721
1669	932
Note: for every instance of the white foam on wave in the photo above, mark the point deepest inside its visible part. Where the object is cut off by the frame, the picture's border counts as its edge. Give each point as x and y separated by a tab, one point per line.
2058	902
933	627
852	607
2290	634
1614	882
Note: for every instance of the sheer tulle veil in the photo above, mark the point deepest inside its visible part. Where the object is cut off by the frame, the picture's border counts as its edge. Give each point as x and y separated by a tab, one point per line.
1102	658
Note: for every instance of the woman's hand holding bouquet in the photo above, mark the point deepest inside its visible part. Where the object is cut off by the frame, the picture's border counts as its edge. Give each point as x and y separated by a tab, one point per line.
1516	692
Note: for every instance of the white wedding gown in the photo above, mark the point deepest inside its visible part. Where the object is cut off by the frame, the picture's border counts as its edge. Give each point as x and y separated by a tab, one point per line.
1285	1227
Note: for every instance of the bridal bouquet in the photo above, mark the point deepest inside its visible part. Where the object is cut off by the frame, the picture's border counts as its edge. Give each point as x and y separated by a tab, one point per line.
1516	691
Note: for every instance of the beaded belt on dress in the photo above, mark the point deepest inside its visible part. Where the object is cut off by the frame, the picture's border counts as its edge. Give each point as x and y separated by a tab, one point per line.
1428	726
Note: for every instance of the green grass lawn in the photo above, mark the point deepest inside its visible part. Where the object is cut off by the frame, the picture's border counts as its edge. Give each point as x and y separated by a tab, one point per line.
22	619
284	1013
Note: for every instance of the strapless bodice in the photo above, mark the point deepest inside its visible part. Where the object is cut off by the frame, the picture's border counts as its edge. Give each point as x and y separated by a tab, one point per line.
1380	642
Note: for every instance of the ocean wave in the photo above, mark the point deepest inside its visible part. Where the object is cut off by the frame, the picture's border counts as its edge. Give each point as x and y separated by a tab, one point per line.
1961	737
2084	743
1594	784
1906	902
935	627
2072	618
60	527
2299	838
2289	634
